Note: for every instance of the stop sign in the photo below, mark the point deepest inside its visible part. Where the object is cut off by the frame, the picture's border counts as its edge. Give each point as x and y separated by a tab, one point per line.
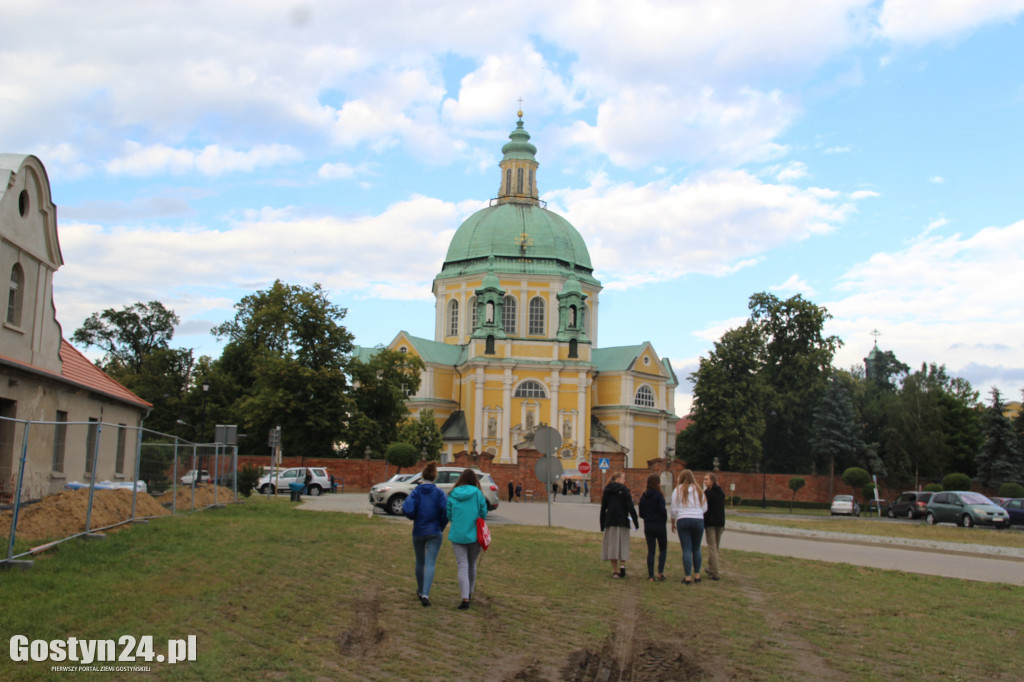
584	467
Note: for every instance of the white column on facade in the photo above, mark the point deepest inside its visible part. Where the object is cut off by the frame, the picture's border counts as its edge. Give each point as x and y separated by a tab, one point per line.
583	417
628	432
478	410
556	382
507	452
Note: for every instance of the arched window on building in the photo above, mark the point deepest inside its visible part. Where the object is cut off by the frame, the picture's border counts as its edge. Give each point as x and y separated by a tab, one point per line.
644	396
453	318
508	315
489	345
508	181
531	183
519	181
16	295
530	389
536	316
574	348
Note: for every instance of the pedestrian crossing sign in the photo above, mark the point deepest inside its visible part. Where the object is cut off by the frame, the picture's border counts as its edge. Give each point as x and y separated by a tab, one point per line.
603	463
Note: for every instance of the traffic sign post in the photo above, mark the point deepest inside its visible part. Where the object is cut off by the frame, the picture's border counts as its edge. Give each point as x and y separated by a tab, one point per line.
547	441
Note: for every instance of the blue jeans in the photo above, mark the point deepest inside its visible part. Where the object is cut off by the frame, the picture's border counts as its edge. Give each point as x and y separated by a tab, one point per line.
690	533
466	557
426	548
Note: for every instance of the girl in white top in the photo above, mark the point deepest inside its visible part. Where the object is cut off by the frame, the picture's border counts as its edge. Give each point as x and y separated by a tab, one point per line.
687	510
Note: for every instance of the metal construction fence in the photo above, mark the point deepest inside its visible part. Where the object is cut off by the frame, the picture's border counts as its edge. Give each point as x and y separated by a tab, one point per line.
61	480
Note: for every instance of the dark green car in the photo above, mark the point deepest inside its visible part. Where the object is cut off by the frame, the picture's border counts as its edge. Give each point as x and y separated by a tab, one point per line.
965	509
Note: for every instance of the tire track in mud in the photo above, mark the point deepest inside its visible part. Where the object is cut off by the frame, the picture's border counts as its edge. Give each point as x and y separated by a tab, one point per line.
808	664
366	633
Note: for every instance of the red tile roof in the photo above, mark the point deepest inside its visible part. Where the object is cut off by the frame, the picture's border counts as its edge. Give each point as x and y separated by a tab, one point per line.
78	370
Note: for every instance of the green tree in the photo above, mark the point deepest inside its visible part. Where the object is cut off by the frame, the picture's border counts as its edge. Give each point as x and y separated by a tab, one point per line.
128	336
381	385
795	484
797	363
999	459
285	363
402	455
956	482
855	477
423	433
728	405
835	439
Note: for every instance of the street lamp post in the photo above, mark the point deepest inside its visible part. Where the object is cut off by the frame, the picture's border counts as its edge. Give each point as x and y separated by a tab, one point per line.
202	431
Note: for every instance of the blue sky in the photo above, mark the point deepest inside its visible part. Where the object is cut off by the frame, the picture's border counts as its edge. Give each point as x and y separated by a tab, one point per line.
864	154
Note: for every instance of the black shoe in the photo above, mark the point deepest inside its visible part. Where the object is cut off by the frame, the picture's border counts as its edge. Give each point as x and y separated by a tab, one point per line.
687	582
425	600
622	571
696	580
714	577
463	605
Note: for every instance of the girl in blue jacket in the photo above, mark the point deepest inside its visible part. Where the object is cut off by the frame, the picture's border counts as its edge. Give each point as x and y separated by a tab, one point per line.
427	507
466	504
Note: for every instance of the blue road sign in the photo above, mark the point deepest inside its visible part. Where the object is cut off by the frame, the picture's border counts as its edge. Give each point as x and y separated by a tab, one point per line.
603	463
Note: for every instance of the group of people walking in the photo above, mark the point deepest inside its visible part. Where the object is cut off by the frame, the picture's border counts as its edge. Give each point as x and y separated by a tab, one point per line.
694	510
431	512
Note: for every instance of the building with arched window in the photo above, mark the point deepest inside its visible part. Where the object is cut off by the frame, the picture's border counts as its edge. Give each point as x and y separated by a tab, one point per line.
43	379
493	376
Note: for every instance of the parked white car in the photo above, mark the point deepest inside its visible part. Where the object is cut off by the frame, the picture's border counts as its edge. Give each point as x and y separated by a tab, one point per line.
190	477
390	495
321	480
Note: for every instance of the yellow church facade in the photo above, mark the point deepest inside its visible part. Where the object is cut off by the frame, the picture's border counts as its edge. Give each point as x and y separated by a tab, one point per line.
515	339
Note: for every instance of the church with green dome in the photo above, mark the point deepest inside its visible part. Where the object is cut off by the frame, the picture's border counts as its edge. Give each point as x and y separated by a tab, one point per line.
516	340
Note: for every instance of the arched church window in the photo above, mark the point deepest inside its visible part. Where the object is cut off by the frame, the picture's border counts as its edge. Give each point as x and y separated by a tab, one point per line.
519	181
644	396
574	348
508	181
536	316
453	318
530	188
530	389
508	315
16	295
489	345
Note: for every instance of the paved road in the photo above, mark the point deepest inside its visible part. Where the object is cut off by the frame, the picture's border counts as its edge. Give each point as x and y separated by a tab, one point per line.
969	562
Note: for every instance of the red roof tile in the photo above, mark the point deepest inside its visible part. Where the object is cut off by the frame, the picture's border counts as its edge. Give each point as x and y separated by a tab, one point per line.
77	369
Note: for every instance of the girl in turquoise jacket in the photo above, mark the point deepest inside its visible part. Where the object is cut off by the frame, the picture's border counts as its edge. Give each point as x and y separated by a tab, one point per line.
466	504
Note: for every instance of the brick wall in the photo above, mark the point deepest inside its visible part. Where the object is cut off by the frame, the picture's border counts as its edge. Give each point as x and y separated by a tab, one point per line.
360	474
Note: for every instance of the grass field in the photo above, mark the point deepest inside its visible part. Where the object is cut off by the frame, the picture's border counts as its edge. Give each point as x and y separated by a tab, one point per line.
271	592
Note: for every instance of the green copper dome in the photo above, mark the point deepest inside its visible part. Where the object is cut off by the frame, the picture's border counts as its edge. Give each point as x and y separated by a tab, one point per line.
516	230
522	238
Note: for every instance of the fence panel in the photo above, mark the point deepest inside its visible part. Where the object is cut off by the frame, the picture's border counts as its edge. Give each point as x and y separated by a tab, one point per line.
60	479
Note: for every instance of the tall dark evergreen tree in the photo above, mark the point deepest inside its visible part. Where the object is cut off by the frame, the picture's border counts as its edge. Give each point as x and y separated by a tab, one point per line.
999	459
836	435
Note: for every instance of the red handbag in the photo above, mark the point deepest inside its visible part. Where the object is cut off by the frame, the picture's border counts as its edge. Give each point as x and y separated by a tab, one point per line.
483	534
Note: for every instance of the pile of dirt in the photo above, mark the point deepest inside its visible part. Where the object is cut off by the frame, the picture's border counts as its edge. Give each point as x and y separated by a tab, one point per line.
204	496
63	514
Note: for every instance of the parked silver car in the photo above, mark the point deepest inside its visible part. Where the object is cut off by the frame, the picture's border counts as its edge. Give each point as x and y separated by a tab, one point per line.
845	504
390	495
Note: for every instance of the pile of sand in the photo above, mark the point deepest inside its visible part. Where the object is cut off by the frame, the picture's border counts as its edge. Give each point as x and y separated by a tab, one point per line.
204	496
63	514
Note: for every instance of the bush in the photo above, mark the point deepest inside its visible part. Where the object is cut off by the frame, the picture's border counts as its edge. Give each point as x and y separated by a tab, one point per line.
868	491
855	477
1011	490
402	455
933	488
736	500
248	476
956	482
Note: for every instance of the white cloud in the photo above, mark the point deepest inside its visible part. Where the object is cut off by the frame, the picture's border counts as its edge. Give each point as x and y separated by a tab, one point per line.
795	285
711	223
937	179
920	21
139	160
949	300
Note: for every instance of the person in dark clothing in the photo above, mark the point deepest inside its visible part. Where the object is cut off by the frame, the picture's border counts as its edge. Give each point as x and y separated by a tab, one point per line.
511	490
655	515
714	522
519	491
306	481
616	511
554	491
